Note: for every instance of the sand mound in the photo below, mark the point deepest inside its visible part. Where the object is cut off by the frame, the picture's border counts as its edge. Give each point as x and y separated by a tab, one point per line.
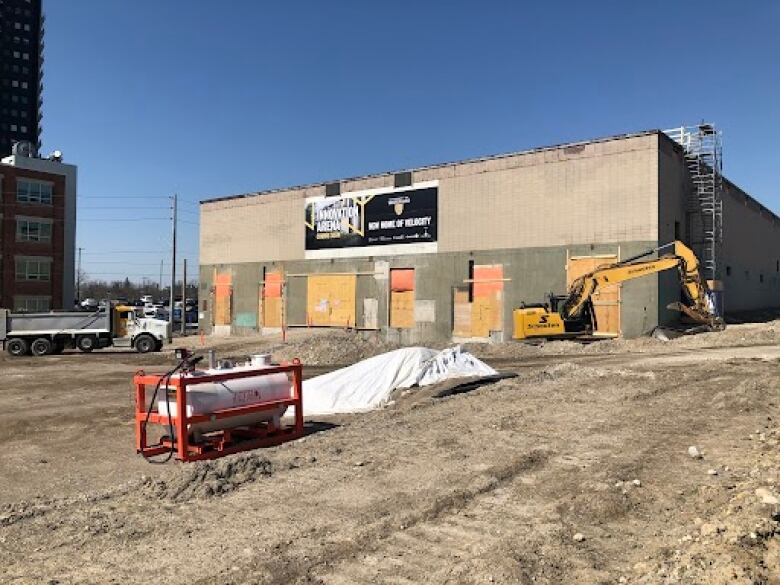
747	396
208	478
568	370
337	348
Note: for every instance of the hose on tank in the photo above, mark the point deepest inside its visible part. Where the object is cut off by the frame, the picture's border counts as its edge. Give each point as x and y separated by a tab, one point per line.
187	361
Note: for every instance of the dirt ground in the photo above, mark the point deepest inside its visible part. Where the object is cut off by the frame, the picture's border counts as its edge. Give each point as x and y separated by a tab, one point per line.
576	471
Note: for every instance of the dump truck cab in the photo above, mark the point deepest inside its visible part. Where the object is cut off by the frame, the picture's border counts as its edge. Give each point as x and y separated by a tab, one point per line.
141	333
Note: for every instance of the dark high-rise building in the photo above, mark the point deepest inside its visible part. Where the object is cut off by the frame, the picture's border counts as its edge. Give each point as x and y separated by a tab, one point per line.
21	73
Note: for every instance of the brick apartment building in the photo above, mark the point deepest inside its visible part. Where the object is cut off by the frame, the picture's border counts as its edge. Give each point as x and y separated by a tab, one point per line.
37	233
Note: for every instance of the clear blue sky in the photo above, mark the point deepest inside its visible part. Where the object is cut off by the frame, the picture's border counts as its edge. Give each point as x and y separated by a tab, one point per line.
210	98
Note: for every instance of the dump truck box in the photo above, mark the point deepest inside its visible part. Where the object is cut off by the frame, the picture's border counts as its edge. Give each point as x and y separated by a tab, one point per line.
66	323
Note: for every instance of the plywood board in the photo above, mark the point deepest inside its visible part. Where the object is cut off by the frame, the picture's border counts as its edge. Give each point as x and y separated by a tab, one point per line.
330	300
272	300
485	316
272	312
461	326
223	296
606	300
402	279
402	309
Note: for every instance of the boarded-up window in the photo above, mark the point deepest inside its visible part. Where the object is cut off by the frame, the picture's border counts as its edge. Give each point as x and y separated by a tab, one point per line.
487	308
402	298
478	308
606	300
223	297
330	300
272	299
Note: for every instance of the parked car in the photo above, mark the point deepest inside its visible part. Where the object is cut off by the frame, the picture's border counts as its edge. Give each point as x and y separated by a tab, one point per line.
89	304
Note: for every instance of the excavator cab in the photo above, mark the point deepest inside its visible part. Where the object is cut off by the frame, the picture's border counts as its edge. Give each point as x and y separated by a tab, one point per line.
546	320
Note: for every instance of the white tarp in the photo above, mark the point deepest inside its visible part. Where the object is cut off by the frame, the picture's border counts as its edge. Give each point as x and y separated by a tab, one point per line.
368	384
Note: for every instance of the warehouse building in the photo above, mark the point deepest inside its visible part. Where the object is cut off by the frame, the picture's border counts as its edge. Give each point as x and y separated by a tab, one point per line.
447	251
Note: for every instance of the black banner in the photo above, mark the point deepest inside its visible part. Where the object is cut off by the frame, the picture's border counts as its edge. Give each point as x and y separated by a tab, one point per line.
353	221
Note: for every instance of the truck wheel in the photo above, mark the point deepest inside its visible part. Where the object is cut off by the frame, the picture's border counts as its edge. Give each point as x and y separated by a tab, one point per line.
17	347
145	343
86	342
41	346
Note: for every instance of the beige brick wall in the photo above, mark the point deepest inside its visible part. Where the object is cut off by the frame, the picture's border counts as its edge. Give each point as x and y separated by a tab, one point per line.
751	251
598	192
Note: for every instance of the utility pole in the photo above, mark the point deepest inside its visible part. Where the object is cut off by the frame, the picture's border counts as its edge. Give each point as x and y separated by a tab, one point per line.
78	279
160	286
183	298
173	270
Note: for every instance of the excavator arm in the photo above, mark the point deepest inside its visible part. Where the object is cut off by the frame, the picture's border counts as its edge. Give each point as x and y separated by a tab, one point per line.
695	289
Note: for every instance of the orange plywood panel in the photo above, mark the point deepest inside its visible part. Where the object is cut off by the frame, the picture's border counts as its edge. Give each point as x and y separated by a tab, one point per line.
488	279
402	279
273	285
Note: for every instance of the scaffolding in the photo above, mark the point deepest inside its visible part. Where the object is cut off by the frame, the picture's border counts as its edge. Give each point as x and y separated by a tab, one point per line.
703	153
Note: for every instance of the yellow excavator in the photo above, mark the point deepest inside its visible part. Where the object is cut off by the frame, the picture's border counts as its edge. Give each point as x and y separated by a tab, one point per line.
572	315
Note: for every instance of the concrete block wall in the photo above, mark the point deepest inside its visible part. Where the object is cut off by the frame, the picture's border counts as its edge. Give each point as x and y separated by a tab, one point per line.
533	273
750	253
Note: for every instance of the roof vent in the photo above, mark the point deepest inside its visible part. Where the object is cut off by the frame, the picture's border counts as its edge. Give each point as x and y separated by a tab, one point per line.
402	179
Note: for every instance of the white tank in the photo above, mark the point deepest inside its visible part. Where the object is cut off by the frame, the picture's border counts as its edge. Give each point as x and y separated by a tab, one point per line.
209	397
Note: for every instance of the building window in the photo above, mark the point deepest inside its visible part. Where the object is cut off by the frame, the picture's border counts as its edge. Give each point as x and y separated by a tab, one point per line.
29	192
31	230
728	270
761	278
677	231
32	304
33	269
332	189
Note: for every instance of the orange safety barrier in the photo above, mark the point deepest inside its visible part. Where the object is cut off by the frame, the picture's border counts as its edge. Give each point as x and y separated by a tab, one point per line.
217	443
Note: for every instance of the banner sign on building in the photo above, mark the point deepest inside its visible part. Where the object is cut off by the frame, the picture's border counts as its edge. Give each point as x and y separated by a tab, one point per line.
405	217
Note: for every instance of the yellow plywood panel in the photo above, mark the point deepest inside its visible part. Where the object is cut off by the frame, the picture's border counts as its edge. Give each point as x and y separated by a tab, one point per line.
330	300
272	312
461	326
485	316
222	305
402	309
606	301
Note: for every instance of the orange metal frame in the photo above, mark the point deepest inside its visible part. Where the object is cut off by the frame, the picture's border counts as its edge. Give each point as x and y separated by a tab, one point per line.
218	443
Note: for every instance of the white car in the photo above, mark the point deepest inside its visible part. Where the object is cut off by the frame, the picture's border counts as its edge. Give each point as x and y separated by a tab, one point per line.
89	304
